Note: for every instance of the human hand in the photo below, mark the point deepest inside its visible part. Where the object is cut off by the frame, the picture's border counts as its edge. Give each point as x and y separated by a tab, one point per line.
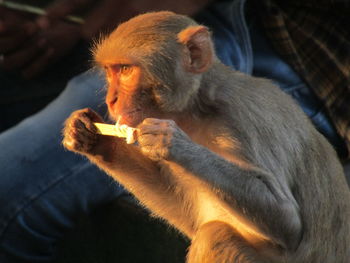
55	43
103	16
28	49
62	10
100	15
15	30
30	46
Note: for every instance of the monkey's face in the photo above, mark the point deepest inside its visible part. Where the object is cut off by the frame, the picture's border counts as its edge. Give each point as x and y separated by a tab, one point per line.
129	96
153	64
142	84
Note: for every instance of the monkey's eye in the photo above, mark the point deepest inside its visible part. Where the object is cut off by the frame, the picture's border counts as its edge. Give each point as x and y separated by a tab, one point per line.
125	69
144	92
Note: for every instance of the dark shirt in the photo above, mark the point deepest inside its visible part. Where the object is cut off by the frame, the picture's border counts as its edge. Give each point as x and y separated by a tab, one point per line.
314	38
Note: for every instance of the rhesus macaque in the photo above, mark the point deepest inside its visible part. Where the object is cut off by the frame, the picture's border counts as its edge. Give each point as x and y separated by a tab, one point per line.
228	159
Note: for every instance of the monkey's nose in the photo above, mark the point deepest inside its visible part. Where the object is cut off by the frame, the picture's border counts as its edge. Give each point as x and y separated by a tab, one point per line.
111	103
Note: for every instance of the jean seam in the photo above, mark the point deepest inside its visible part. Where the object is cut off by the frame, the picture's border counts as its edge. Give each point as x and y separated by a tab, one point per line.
293	87
36	197
243	38
320	111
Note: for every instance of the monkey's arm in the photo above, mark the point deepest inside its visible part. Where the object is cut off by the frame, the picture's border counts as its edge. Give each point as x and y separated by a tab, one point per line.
123	162
135	171
255	193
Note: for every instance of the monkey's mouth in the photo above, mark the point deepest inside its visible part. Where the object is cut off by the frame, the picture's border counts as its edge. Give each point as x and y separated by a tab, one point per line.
131	118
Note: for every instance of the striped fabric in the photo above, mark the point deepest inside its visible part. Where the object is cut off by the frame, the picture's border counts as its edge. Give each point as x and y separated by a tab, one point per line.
313	36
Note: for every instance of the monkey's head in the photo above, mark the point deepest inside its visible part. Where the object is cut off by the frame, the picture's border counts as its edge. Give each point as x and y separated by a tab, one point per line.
154	65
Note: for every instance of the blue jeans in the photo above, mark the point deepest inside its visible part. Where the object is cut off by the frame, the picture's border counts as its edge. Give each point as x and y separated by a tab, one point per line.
43	187
241	44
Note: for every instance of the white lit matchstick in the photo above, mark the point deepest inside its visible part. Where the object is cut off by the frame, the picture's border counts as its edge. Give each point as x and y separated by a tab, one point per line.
118	130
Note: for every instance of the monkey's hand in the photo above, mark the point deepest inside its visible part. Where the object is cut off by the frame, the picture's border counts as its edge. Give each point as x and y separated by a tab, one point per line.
80	132
160	139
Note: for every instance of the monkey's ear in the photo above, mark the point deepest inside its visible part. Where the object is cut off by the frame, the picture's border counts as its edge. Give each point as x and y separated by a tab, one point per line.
199	52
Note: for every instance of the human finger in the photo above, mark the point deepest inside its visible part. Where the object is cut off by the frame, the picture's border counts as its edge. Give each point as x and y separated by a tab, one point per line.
23	56
107	15
39	64
13	40
60	9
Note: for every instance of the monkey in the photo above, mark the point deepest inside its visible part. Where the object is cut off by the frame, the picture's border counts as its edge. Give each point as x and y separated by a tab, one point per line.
228	159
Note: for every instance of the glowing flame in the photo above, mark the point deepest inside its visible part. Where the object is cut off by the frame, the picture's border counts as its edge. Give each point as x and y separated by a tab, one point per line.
126	132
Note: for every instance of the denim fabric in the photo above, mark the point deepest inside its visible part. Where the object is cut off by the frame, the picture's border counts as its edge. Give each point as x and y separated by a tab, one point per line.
43	187
20	97
241	44
268	64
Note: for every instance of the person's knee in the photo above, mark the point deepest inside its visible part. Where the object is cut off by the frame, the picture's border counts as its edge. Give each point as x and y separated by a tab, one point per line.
86	90
26	239
89	81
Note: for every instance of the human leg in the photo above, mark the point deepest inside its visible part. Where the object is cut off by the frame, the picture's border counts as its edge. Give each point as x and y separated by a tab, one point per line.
43	187
21	97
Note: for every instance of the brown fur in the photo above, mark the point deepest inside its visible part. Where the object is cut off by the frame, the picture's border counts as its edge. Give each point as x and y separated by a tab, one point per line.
227	158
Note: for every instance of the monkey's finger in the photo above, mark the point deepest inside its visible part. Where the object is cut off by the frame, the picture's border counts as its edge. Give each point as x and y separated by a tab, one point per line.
146	139
153	129
157	126
77	137
157	141
87	117
94	116
77	126
155	153
151	120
